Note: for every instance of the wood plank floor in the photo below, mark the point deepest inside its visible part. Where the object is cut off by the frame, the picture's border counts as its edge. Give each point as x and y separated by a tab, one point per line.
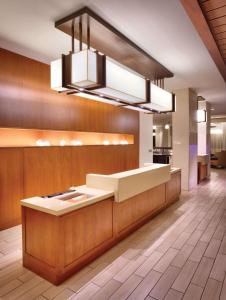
180	254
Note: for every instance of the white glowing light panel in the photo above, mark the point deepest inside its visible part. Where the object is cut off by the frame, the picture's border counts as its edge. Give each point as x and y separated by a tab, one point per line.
56	75
97	98
84	69
122	83
201	115
161	100
137	108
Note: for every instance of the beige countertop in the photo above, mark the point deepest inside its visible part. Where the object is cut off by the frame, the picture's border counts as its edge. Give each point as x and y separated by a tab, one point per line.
122	186
58	207
131	183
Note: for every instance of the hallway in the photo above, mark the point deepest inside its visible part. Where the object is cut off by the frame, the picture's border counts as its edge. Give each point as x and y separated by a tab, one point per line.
180	254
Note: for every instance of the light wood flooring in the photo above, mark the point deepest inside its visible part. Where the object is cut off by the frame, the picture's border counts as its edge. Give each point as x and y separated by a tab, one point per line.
180	254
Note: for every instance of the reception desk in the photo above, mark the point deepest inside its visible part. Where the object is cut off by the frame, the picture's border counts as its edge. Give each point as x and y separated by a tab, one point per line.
63	233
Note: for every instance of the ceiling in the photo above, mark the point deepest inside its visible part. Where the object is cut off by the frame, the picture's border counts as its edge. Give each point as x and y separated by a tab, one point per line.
161	27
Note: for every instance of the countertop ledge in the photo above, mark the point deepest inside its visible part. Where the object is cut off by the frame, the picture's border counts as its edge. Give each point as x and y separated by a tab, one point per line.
174	170
57	207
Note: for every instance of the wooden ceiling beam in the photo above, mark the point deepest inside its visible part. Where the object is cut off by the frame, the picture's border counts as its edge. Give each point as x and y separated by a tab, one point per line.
195	13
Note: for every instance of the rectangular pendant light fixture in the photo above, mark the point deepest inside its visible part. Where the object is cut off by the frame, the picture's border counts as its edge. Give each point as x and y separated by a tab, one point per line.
87	69
122	76
140	109
123	84
83	70
160	99
109	82
56	76
98	98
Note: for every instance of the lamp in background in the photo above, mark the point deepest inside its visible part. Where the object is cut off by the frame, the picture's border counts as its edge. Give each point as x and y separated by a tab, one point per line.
201	115
160	99
217	131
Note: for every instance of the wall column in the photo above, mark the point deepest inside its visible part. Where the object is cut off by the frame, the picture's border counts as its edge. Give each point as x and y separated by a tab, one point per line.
146	139
185	137
204	132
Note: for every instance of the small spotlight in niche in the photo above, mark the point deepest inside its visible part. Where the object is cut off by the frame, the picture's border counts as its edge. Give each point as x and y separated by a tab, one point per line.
62	142
77	143
124	142
42	143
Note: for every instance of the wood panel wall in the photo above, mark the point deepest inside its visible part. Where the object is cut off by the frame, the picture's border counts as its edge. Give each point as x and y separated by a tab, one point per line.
26	101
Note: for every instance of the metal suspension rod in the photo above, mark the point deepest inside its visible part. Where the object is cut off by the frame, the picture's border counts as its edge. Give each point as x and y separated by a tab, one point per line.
88	32
80	33
73	36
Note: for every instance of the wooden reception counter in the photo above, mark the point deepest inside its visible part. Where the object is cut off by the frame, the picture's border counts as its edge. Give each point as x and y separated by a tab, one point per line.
61	234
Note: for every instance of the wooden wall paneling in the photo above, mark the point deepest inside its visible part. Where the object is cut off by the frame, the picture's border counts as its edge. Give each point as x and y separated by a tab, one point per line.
10	89
11	186
222	42
202	172
218	21
218	29
91	226
102	160
131	156
35	105
216	13
213	4
221	35
173	188
26	101
46	170
41	241
138	207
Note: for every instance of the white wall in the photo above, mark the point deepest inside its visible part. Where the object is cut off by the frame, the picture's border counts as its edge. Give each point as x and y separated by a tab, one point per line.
193	140
202	138
146	139
185	137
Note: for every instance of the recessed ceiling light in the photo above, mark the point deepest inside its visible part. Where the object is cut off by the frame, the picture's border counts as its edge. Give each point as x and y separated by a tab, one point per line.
212	109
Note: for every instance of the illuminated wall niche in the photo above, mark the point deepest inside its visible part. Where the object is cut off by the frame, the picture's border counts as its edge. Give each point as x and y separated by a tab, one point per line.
14	137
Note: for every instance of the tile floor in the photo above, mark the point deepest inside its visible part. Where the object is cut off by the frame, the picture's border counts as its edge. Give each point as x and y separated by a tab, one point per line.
180	254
